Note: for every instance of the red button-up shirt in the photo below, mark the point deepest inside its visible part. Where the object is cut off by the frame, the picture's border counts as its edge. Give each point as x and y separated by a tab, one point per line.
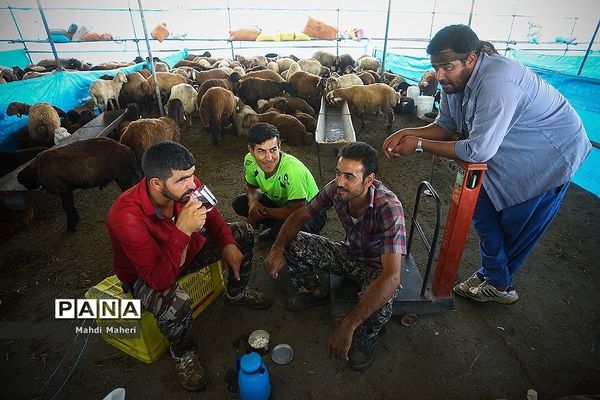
147	244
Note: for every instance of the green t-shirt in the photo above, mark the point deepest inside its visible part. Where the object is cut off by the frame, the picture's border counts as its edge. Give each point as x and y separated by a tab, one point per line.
291	181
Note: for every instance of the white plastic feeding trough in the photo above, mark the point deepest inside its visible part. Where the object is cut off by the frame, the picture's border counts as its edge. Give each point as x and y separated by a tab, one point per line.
334	128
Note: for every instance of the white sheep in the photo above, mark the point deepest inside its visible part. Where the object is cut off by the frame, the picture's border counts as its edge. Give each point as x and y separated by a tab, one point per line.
337	82
44	119
372	98
367	62
161	67
238	119
108	90
310	65
188	96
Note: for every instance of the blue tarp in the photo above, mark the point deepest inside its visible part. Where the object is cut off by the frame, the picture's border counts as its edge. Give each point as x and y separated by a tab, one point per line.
10	58
582	92
65	90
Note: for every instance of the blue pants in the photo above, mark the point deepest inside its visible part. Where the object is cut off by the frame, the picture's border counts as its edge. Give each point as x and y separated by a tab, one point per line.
508	236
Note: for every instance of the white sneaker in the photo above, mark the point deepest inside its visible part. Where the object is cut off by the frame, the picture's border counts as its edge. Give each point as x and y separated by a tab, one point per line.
462	288
486	292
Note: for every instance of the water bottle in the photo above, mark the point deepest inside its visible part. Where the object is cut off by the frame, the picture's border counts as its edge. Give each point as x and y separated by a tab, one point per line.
253	378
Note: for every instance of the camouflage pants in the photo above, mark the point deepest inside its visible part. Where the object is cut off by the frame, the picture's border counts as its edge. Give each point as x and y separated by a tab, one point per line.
309	254
172	307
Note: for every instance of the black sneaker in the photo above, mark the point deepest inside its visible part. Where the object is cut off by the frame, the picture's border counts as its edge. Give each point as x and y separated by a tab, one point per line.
303	301
362	356
190	373
250	298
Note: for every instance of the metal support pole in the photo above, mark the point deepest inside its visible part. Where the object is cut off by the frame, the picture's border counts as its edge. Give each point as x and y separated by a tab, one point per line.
58	66
137	42
587	52
19	32
156	90
471	13
231	41
385	40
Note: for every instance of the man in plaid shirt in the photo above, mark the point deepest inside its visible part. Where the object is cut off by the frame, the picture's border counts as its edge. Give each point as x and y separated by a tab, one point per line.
371	254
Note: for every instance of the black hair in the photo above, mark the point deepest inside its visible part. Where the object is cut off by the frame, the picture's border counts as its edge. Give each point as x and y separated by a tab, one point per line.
460	39
260	132
162	158
367	155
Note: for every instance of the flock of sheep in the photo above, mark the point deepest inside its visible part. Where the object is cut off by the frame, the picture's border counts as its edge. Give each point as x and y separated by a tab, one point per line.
227	95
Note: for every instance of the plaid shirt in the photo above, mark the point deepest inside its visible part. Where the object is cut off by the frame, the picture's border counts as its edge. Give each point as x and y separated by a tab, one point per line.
381	229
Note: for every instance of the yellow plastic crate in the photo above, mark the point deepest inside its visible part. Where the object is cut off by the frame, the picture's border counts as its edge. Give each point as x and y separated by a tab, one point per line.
148	344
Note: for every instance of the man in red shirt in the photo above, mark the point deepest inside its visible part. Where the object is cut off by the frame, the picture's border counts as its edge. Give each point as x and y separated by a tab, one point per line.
160	231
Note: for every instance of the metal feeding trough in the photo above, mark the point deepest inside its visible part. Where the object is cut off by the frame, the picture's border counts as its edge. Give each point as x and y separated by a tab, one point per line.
334	128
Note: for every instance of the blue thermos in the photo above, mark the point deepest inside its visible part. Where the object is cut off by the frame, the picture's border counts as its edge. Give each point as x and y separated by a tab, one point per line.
253	378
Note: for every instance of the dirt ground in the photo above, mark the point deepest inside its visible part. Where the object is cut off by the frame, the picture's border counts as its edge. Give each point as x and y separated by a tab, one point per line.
548	341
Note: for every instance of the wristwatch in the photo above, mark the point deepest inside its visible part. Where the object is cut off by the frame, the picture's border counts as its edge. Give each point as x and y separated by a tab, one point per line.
419	148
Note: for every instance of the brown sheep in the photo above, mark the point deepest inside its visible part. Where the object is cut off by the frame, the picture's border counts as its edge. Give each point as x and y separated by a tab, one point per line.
166	81
291	129
82	164
217	108
368	98
227	83
144	132
250	90
216	73
295	103
308	86
366	77
283	107
265	74
138	89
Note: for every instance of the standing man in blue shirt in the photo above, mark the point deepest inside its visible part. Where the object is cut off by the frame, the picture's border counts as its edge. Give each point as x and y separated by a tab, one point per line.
495	110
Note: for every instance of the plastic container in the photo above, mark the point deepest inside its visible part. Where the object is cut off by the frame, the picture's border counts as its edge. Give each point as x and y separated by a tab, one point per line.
253	378
148	343
413	92
424	105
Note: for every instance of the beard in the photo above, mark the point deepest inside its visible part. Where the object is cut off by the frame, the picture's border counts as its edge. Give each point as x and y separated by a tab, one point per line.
169	195
457	85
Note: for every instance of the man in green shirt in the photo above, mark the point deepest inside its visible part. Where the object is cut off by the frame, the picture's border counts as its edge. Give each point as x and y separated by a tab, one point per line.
277	184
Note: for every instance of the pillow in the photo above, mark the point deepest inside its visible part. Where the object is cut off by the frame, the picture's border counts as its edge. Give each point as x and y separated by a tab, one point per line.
319	29
263	37
284	36
247	33
301	36
59	38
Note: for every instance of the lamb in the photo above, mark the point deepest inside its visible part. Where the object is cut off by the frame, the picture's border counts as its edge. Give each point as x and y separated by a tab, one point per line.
228	84
191	64
144	132
217	106
428	84
250	90
294	67
375	97
238	119
175	111
161	67
296	103
272	65
284	63
282	106
343	81
188	72
166	80
250	62
210	74
326	59
44	119
82	164
188	96
310	65
343	63
291	129
368	63
138	89
366	77
108	90
307	86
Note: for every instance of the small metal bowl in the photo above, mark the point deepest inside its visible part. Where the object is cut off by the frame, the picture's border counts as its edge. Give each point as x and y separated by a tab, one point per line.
259	341
282	354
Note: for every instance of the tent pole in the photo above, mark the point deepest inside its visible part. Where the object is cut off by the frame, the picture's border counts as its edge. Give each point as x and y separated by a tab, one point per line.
230	41
385	39
156	89
587	52
19	31
137	42
41	9
471	13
